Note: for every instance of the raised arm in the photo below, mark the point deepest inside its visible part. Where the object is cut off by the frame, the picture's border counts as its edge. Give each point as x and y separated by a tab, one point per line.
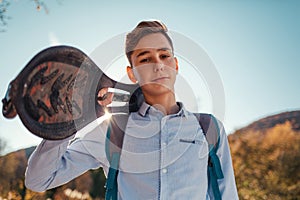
54	163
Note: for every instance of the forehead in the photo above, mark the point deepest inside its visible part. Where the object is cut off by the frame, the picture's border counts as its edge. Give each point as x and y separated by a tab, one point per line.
153	41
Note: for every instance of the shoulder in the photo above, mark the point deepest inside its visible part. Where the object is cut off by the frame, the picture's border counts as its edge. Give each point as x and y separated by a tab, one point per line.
94	131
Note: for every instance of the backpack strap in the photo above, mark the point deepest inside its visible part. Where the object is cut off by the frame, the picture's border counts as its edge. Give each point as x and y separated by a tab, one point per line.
113	148
211	131
114	143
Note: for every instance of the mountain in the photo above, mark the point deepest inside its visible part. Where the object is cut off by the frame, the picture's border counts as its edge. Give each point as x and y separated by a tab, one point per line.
268	122
265	155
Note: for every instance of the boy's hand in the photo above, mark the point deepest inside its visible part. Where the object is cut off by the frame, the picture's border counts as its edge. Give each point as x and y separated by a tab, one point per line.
104	97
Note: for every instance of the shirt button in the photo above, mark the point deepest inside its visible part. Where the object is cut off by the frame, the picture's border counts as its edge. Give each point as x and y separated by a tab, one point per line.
164	170
164	144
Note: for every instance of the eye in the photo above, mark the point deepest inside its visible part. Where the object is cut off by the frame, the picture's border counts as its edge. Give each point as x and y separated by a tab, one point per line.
164	56
144	60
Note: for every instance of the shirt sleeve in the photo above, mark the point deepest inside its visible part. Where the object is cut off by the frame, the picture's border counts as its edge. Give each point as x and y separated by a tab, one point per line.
54	163
227	185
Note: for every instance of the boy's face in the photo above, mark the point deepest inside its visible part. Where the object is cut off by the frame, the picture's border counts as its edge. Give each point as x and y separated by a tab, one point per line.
153	65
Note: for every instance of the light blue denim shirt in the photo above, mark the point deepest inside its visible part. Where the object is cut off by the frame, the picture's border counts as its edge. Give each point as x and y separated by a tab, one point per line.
163	157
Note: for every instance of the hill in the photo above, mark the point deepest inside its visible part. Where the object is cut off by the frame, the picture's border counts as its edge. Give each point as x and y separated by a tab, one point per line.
12	169
265	156
293	117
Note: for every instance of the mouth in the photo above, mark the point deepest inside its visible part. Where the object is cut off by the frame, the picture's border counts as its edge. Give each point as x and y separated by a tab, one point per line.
161	79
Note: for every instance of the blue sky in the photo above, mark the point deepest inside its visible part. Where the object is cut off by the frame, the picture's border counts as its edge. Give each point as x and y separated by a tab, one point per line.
254	45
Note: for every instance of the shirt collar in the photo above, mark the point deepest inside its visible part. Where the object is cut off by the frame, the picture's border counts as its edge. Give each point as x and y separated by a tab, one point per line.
144	109
182	111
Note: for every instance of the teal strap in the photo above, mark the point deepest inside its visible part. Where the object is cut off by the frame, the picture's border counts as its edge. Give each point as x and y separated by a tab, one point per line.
107	142
215	173
111	182
215	170
111	194
214	183
218	130
216	165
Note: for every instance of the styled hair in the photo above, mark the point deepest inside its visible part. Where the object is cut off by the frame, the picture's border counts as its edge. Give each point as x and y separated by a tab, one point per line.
143	29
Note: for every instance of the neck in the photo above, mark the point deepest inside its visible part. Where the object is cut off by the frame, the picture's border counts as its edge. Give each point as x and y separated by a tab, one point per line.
166	103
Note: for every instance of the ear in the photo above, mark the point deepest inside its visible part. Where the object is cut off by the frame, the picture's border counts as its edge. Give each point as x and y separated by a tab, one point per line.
176	68
131	74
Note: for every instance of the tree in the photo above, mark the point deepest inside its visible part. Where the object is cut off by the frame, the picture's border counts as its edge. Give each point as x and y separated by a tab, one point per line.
3	17
4	5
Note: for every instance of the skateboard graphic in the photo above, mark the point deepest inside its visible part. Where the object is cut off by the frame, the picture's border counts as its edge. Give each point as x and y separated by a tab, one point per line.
55	94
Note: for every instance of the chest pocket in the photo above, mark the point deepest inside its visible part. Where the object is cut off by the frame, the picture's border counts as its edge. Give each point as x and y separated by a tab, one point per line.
198	144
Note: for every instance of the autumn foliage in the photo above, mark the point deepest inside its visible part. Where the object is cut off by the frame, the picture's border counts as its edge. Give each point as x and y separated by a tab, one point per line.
267	163
265	154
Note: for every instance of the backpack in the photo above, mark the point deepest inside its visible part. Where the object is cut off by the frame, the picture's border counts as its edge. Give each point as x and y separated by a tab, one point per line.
114	142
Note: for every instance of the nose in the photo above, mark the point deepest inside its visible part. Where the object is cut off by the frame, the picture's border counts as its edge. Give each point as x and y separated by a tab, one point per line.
158	65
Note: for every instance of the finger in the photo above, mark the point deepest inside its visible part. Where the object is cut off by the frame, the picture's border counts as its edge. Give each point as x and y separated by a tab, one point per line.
102	92
104	101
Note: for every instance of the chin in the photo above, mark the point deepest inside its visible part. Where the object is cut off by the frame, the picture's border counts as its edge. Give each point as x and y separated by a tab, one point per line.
157	89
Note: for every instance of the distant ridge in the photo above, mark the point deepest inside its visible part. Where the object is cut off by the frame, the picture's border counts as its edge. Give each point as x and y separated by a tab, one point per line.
268	122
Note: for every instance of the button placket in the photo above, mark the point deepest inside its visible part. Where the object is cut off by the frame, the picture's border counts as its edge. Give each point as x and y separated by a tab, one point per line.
163	165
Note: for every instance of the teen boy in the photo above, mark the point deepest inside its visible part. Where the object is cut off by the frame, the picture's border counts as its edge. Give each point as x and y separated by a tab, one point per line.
164	154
